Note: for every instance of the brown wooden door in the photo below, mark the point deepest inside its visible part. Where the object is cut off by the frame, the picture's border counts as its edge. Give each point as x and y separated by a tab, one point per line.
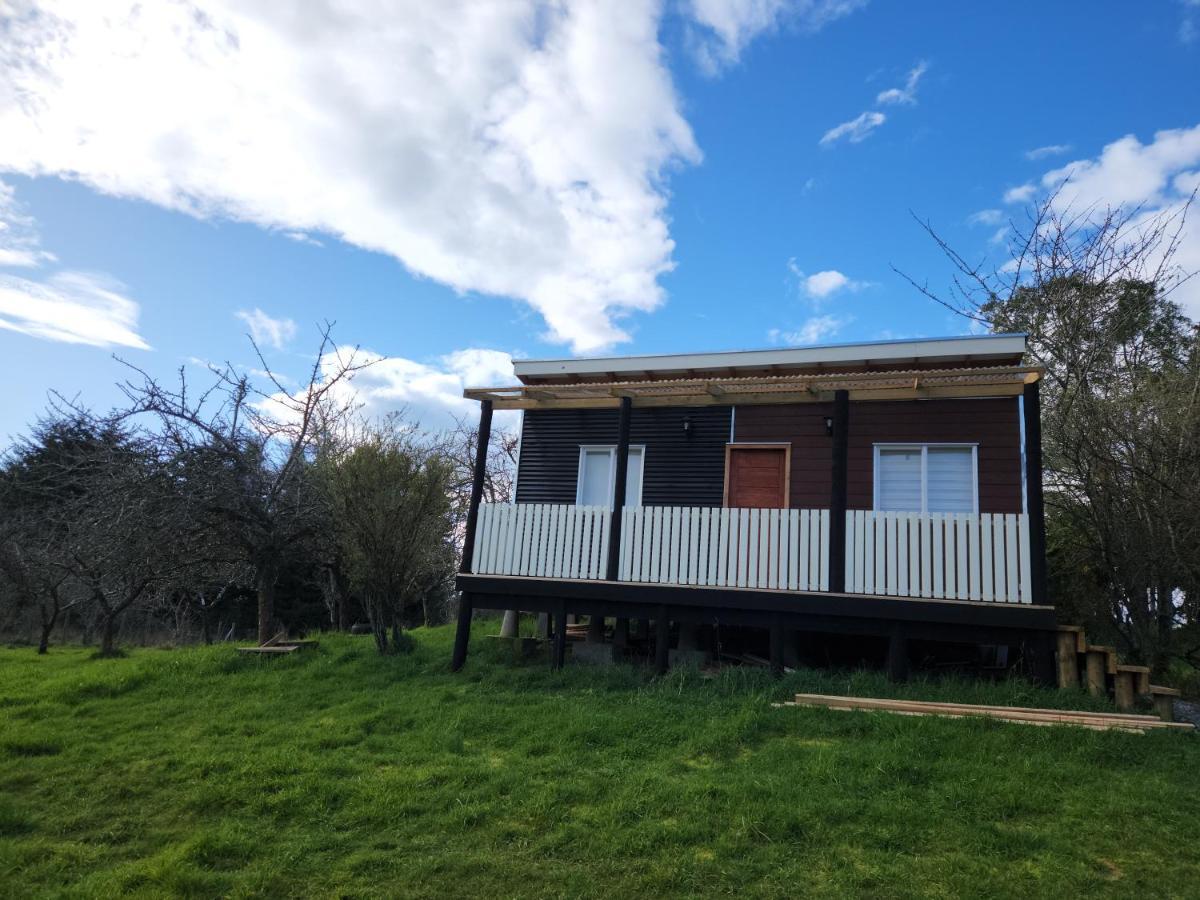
757	477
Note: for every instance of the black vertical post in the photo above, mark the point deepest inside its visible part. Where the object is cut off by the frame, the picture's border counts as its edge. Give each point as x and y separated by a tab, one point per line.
463	633
897	654
481	449
619	482
559	655
1034	504
662	641
837	497
776	646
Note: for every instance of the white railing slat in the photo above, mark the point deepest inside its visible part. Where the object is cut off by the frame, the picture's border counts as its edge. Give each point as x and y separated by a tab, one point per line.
1023	545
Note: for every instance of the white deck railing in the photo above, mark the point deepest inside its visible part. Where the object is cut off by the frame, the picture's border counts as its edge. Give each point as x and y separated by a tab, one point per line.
945	556
938	555
541	540
777	549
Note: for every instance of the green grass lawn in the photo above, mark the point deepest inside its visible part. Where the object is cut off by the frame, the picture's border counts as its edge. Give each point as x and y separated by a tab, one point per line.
338	773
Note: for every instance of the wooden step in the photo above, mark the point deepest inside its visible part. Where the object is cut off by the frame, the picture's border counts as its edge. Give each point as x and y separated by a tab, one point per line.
1158	689
1025	715
1141	677
1164	701
1110	656
1080	636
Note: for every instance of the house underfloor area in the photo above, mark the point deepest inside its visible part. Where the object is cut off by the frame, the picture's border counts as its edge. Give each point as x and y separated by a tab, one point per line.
676	624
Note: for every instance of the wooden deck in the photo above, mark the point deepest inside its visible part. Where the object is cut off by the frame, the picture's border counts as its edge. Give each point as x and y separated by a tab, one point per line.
869	614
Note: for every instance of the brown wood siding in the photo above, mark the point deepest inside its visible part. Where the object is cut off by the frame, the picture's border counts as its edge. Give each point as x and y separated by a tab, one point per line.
993	424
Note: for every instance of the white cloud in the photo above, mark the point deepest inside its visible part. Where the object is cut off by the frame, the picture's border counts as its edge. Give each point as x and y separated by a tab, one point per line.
727	26
856	130
986	217
812	331
301	237
266	331
1022	193
999	236
1129	172
429	393
1188	28
516	149
1048	150
823	285
908	93
1157	178
73	307
20	245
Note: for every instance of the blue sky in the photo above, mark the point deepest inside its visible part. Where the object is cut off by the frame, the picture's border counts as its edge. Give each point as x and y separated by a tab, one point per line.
461	185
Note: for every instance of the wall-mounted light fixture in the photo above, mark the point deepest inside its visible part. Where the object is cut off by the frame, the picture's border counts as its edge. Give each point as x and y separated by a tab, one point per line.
829	426
687	427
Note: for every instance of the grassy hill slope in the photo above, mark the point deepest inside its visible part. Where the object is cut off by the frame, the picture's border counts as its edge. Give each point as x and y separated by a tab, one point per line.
338	773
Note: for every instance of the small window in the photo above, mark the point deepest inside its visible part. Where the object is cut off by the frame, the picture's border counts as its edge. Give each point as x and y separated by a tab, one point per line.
598	473
926	478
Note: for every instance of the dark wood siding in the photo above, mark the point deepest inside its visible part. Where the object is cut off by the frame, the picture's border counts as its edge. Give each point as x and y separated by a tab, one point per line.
994	424
679	470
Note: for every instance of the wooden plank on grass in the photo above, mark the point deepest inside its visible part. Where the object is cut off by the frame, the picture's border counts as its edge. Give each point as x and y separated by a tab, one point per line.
1012	714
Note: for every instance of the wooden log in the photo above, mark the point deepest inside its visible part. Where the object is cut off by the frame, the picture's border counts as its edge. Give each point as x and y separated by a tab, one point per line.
1123	690
1068	659
1095	664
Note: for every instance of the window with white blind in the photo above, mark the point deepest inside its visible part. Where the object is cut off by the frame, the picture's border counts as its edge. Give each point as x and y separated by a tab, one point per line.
926	478
598	473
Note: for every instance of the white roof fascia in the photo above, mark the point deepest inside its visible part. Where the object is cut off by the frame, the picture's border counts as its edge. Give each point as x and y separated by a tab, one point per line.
964	347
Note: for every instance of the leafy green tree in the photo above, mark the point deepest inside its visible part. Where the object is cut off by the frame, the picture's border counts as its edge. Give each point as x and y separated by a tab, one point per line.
1120	412
390	502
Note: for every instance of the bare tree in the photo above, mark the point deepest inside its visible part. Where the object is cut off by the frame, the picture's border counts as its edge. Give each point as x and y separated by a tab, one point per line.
250	455
30	573
1121	406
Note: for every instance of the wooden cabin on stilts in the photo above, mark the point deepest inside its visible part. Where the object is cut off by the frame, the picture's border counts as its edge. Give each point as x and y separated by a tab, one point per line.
885	491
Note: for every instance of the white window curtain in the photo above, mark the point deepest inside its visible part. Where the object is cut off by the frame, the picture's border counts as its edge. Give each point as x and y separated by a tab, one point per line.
598	472
926	478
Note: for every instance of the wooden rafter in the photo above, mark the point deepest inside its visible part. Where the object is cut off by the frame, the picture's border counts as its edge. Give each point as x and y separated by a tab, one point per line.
996	381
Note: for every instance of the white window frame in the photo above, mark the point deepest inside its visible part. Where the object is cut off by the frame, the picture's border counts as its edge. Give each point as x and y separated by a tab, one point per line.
924	448
612	471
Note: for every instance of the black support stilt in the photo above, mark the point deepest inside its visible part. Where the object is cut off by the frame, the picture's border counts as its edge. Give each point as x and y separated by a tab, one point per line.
776	647
897	656
662	641
621	633
559	656
462	634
